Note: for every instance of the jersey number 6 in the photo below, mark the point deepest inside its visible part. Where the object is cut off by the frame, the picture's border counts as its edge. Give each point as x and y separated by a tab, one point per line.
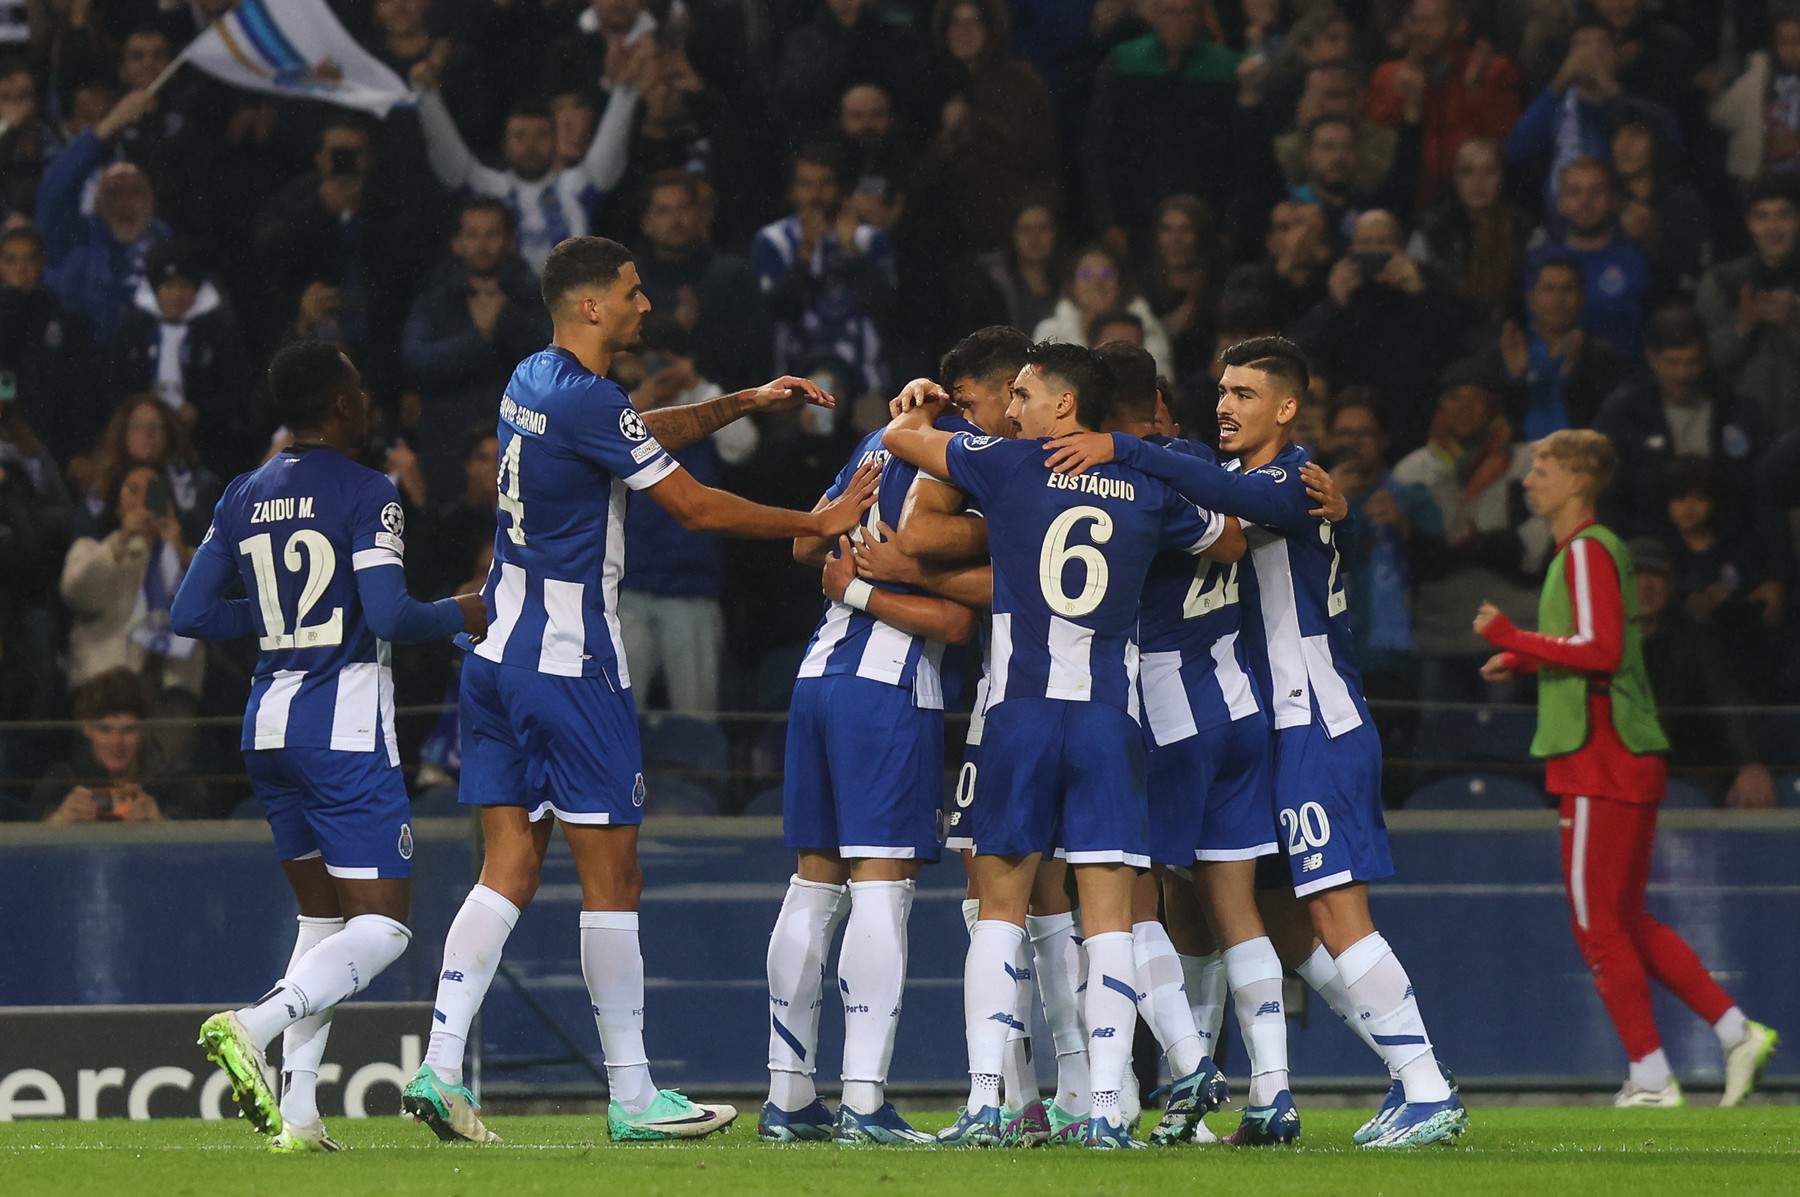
1058	552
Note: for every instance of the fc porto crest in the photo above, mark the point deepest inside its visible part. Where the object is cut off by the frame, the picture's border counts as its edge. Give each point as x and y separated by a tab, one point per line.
406	841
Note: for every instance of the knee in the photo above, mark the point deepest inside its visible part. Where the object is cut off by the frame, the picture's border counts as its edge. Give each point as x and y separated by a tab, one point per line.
515	880
617	888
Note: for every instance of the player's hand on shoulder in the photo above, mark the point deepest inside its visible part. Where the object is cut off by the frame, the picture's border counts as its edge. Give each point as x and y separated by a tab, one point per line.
846	511
1322	489
474	613
879	559
840	570
1079	452
920	392
789	392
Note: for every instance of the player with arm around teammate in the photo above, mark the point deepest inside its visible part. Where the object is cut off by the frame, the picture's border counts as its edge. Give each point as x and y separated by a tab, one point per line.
1327	755
864	771
317	540
549	724
1598	730
1061	752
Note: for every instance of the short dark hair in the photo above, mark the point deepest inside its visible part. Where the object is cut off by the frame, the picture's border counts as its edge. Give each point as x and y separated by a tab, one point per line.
1134	380
817	153
1331	118
1588	162
985	352
305	379
532	110
1275	356
1084	371
582	262
115	692
672	178
344	120
487	203
1108	317
1772	185
1557	262
1688	475
1675	327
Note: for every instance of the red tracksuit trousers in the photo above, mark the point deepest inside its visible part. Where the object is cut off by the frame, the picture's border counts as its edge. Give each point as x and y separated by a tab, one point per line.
1606	848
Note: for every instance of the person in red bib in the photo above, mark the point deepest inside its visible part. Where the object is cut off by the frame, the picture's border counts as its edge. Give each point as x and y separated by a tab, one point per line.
1603	759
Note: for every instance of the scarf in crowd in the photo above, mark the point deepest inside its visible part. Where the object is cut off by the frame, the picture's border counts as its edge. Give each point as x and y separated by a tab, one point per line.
150	618
1477	464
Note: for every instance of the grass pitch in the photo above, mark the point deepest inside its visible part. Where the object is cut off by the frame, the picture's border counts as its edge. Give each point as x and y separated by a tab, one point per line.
1513	1151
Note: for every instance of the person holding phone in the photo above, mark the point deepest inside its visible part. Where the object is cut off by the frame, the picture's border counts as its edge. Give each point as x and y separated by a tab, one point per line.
118	586
116	774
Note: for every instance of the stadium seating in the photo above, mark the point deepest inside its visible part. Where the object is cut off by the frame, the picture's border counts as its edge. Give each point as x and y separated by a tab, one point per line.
775	676
1787	789
671	794
1685	795
695	750
1484	734
767	802
249	808
1478	791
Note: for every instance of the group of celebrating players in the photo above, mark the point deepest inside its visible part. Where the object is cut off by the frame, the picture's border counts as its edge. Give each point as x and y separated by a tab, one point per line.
1170	792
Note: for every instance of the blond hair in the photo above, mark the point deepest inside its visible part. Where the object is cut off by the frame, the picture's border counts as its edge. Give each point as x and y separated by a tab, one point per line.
1581	451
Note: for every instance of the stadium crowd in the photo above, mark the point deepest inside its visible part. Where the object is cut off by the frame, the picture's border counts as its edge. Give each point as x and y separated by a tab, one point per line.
1484	219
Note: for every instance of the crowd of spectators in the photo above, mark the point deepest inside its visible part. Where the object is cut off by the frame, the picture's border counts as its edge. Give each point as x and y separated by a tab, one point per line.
1484	220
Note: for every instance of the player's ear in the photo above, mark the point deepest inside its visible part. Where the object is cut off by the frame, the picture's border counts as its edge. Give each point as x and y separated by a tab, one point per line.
1286	409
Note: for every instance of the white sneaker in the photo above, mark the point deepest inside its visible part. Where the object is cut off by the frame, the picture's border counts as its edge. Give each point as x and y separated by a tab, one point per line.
1744	1063
1634	1096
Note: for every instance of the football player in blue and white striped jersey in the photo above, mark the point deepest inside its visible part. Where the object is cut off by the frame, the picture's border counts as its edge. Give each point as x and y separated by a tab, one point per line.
549	723
317	541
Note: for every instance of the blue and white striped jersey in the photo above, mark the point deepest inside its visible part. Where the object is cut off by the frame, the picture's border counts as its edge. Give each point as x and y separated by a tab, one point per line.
848	641
1070	557
1195	673
297	530
1298	639
571	448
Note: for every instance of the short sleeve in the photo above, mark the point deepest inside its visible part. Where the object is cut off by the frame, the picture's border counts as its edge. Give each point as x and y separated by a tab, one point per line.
616	438
378	530
974	467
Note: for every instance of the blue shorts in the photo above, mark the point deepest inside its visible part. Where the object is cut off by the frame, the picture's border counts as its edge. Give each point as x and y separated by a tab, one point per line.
1212	797
1328	795
563	746
350	808
1060	774
959	803
864	770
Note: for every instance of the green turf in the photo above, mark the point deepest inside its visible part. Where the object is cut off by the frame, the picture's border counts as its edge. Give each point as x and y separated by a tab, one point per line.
1515	1152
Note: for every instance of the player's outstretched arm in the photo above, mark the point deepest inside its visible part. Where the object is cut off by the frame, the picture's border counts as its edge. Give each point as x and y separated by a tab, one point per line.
703	509
811	551
687	424
200	610
912	438
918	614
399	618
934	526
879	558
1254	496
1598	644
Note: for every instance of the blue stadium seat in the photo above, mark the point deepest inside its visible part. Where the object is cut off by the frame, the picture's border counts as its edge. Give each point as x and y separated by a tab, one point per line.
766	802
768	752
666	794
1477	791
249	808
1787	789
1778	739
694	749
439	802
1486	734
1685	795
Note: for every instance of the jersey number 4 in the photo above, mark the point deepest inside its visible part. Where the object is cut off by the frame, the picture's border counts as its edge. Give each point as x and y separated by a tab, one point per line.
512	504
320	564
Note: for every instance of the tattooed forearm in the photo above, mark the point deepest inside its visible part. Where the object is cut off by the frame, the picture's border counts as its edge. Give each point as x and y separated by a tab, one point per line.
685	424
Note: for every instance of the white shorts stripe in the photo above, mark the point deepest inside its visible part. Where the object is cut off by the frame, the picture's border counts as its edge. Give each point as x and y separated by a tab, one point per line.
1319	883
872	852
1134	859
1268	849
353	874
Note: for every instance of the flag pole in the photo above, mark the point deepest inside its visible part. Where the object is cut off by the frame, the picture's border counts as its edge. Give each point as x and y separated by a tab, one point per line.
174	65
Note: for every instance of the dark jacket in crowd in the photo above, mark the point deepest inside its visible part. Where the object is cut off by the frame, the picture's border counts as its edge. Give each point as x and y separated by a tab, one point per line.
734	336
1392	342
216	377
459	373
1632	418
47	347
92	271
177	799
823	60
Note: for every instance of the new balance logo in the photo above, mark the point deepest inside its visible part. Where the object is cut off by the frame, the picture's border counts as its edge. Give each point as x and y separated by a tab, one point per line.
451	974
1312	860
1104	1032
1017	974
1006	1019
1268	1008
1409	993
1296	693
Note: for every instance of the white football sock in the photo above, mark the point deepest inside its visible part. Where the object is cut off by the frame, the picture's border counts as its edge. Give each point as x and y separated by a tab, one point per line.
472	950
612	963
1204	978
1253	971
303	1044
1652	1072
971	910
1731	1028
1016	1070
1384	1001
1165	1005
798	947
1111	1013
1057	956
872	977
333	969
990	993
1321	972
